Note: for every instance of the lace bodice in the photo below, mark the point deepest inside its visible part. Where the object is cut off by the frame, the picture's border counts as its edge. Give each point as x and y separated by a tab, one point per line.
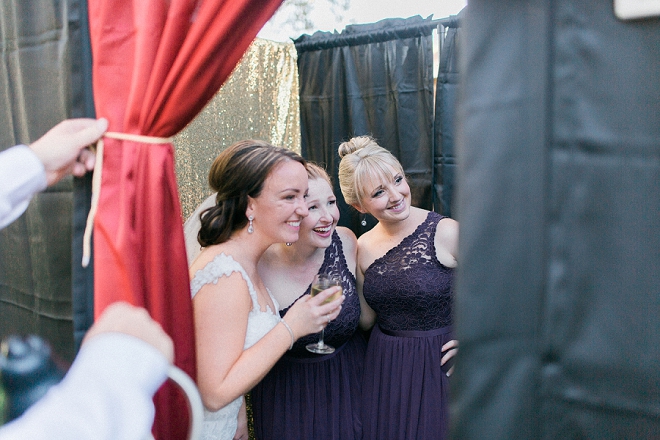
341	329
222	424
408	288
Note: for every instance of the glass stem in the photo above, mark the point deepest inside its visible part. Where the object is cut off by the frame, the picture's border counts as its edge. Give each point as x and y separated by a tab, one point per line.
321	343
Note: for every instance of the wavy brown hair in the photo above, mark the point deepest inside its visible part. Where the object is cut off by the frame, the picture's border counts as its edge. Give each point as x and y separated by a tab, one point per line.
237	173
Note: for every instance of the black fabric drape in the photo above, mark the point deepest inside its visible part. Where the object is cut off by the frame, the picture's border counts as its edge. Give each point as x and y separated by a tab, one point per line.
83	106
558	290
376	80
444	159
40	87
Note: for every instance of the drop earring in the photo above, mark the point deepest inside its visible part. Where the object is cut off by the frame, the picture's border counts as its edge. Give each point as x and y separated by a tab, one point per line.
250	226
363	222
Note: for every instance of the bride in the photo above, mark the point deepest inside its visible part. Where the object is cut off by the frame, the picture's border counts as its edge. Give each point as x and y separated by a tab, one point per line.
238	332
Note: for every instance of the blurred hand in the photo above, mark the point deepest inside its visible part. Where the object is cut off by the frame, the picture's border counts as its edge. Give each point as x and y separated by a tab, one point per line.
63	149
121	317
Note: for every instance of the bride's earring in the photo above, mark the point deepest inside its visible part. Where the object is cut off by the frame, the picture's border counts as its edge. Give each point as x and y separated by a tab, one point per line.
250	226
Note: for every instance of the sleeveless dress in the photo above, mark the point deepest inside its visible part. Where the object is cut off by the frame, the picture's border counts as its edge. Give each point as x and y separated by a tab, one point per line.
312	396
404	389
222	424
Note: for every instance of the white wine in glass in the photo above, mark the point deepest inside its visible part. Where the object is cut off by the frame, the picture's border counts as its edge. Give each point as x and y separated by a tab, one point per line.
322	282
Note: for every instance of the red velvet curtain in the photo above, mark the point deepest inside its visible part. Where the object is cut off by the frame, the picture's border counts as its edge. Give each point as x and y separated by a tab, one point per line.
156	63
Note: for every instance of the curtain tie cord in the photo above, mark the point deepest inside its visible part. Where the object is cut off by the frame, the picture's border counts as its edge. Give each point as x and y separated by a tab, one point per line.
96	182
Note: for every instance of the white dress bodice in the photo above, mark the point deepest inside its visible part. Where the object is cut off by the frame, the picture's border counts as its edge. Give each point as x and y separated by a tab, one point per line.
221	424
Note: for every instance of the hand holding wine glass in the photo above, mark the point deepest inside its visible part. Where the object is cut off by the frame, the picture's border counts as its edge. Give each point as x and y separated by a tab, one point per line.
310	314
323	282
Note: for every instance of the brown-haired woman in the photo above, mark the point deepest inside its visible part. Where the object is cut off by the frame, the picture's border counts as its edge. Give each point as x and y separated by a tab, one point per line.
238	330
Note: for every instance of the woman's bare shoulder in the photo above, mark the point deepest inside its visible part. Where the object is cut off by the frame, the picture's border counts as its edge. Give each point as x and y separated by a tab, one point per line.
446	241
348	238
206	255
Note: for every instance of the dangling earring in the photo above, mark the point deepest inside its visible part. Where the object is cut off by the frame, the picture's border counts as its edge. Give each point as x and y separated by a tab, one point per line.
364	221
288	244
250	226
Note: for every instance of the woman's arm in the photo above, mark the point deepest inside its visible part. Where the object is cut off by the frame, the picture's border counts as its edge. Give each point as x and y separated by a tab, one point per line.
349	245
226	371
446	244
367	314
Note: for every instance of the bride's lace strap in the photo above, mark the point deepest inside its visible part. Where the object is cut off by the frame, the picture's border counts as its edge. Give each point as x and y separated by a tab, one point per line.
221	265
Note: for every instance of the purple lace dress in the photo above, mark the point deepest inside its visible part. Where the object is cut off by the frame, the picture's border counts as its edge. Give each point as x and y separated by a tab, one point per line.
312	396
404	389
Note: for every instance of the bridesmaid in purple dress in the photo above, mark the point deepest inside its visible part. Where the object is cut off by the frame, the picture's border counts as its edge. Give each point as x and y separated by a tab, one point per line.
306	395
404	278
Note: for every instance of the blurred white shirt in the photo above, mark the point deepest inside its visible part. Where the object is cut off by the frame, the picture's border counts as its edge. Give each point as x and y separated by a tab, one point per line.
106	394
22	175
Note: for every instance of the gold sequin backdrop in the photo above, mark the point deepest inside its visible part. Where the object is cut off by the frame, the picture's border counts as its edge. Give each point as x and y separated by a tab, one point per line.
259	101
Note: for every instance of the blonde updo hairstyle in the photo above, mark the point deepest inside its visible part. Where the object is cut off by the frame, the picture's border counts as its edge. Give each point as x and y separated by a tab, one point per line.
362	161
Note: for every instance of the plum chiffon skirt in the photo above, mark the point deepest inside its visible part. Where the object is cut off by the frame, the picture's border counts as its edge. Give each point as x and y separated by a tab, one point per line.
404	391
312	398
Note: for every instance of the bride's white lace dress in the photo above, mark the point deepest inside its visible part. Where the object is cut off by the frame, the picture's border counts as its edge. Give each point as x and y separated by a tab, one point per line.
221	424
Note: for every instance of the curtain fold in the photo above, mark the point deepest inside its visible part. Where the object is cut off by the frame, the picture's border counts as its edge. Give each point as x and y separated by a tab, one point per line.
377	80
446	92
39	86
82	278
559	169
156	64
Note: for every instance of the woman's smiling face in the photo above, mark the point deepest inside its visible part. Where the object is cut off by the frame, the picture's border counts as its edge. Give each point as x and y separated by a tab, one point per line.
320	223
280	208
386	196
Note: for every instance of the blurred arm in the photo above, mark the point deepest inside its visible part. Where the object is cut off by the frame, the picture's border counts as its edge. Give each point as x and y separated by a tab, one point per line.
23	175
107	394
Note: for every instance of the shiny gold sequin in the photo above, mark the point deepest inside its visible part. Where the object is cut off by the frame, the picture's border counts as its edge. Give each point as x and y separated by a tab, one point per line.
258	101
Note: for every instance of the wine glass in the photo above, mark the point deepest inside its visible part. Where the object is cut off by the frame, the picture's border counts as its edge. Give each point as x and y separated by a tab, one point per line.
320	283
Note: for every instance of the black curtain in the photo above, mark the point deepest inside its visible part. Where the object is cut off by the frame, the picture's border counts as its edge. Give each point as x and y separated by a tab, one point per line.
377	80
558	289
42	83
444	158
83	106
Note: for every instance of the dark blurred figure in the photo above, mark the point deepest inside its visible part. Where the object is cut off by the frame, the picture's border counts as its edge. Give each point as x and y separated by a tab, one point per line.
558	296
27	370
